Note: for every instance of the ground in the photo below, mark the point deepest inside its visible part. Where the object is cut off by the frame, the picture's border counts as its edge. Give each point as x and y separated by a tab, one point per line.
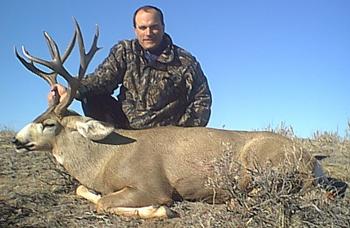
36	192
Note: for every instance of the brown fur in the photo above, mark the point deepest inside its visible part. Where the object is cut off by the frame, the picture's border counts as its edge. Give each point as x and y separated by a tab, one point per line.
139	168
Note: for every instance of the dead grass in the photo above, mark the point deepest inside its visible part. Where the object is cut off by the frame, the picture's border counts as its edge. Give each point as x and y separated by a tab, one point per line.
279	199
35	192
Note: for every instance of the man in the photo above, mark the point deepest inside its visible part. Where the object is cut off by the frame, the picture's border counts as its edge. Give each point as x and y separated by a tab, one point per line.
159	83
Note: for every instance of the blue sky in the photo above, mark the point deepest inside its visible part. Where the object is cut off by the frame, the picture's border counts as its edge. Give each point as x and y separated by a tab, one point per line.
267	62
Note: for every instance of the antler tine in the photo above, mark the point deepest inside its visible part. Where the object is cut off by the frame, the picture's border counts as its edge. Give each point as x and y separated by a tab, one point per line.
85	58
56	64
51	78
51	43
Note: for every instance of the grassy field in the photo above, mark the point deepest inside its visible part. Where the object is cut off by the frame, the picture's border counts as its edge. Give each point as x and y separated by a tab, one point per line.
36	192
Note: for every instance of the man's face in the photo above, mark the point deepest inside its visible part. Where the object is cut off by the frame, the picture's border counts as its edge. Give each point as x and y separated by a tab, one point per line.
149	29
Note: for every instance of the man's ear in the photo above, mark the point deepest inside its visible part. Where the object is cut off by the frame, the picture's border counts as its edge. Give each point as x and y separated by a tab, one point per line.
93	129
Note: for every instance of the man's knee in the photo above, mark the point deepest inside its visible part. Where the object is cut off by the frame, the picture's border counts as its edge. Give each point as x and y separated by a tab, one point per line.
105	108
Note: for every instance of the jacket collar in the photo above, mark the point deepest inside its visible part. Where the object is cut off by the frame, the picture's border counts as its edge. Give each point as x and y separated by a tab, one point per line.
167	55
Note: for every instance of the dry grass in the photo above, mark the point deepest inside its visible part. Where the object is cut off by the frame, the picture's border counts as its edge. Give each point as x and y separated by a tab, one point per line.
279	199
35	192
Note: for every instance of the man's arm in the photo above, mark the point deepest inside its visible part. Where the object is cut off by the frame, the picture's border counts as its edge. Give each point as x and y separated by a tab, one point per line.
198	110
107	76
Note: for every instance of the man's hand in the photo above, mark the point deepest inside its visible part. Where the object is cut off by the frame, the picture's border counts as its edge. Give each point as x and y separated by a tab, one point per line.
57	94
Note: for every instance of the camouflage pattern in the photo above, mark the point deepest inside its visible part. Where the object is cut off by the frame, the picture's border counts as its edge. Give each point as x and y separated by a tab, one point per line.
170	89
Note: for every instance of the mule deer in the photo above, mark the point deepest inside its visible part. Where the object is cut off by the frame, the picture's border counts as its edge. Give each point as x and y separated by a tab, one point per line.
140	172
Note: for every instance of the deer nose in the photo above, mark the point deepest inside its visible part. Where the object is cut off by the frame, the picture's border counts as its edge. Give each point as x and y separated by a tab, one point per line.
15	141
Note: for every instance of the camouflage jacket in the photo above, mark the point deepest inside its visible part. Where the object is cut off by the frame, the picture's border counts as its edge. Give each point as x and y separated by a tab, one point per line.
168	90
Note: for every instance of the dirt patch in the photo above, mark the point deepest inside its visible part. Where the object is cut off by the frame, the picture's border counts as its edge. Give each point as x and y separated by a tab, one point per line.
36	192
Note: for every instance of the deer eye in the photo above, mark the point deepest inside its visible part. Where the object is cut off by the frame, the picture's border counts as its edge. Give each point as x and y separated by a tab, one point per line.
49	123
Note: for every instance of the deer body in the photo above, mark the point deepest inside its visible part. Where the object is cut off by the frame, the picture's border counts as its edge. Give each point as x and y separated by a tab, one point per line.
178	155
138	172
153	166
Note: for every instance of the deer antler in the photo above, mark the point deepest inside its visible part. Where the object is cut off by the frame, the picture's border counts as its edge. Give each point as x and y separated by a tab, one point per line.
50	77
56	65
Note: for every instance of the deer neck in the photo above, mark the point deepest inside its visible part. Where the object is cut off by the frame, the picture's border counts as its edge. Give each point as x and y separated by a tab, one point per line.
82	158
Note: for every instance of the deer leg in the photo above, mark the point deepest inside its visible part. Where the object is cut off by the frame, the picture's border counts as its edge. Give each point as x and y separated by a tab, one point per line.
144	212
129	202
85	193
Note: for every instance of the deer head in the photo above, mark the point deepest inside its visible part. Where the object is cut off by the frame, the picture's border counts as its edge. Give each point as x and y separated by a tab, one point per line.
41	133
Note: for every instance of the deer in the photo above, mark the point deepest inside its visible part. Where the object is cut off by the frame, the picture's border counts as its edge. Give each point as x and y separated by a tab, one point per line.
141	173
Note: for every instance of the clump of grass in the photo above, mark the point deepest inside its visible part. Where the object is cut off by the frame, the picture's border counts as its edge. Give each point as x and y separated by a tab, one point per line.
281	129
6	131
280	198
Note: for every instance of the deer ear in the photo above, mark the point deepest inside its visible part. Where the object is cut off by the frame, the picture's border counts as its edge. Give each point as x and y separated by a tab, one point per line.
93	129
